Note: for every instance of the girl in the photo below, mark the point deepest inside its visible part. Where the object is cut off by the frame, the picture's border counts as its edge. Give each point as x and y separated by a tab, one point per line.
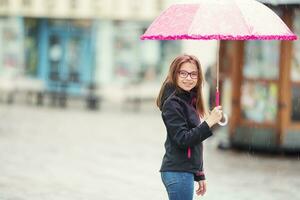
181	102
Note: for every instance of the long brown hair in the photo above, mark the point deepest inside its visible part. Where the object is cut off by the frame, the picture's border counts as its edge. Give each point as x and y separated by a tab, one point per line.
172	79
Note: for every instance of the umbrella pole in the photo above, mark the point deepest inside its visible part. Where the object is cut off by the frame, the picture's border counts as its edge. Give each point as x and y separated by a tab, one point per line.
224	119
217	100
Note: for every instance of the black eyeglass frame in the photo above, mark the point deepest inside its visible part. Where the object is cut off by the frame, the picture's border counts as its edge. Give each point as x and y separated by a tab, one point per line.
191	74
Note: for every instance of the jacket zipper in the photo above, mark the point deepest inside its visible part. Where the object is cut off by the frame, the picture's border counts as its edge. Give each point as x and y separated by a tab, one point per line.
189	153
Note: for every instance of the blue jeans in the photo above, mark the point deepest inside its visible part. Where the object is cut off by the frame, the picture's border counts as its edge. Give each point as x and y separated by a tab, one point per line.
179	185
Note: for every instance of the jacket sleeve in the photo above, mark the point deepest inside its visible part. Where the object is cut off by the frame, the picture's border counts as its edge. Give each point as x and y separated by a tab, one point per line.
177	126
199	176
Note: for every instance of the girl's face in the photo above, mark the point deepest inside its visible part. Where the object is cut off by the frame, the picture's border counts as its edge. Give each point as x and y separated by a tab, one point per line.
187	76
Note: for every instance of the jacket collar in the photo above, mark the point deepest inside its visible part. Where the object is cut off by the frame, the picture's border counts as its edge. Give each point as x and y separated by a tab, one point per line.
187	96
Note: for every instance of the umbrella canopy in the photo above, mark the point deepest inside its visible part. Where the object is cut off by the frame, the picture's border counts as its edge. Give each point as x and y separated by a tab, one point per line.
219	20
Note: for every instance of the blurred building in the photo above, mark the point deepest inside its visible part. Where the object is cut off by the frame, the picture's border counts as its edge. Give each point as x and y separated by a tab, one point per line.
73	45
264	80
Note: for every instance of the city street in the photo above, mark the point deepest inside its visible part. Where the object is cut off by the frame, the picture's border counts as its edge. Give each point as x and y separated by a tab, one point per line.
74	154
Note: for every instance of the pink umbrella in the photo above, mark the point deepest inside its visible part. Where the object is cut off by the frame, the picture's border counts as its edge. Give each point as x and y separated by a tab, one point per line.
219	20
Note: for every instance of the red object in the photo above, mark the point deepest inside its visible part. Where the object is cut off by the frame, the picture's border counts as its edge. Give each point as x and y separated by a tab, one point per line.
189	152
217	98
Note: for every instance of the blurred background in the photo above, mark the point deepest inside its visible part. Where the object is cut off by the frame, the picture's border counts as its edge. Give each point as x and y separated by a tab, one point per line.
77	104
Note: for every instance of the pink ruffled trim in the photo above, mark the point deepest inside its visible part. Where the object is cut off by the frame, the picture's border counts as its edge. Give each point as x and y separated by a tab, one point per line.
219	37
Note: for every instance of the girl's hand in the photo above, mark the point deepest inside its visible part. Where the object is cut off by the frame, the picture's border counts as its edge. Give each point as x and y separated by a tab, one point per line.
215	116
201	188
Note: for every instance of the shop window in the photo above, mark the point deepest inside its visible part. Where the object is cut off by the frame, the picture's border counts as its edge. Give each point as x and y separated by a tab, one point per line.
55	57
259	102
295	71
261	59
31	46
137	61
260	89
169	50
11	54
126	44
72	59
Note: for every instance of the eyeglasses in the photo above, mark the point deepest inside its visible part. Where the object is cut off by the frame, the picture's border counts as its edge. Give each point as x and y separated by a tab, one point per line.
184	74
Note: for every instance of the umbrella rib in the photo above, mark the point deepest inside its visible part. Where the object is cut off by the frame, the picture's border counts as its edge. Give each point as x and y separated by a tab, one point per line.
192	24
243	18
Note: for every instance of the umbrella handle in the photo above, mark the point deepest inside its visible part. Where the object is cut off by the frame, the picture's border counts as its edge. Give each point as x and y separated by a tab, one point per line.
225	117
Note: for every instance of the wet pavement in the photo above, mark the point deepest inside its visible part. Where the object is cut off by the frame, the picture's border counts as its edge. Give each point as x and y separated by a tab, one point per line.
75	154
